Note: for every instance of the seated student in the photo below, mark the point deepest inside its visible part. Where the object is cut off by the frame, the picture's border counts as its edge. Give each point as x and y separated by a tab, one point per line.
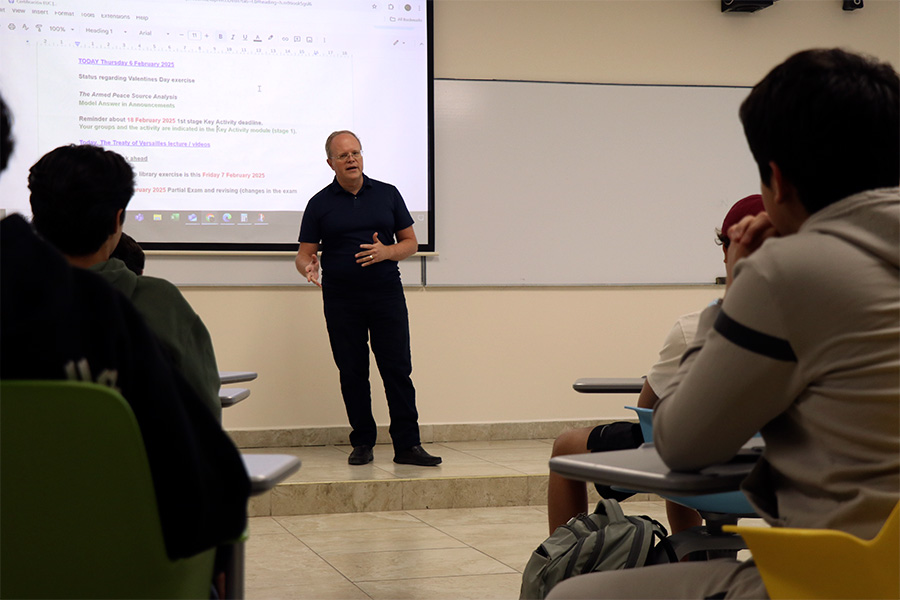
568	497
78	198
130	253
809	331
59	322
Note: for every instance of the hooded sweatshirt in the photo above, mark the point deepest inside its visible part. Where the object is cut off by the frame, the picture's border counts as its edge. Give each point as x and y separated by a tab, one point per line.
179	328
61	322
806	349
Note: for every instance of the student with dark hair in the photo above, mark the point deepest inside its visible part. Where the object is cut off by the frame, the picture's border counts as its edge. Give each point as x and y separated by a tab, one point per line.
78	198
130	253
808	334
62	322
827	121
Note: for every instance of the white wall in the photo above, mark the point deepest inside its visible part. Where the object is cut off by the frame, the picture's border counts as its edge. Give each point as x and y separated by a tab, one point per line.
511	354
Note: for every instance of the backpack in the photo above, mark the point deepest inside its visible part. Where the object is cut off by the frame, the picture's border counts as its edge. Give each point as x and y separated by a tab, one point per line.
604	540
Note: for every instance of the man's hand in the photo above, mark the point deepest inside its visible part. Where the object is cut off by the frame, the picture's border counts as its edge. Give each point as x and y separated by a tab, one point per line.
746	236
312	271
373	253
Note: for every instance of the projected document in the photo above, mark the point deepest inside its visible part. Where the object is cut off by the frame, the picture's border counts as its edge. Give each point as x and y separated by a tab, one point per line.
221	106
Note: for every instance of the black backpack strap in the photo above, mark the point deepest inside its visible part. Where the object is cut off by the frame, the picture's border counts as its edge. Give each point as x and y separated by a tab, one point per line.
594	558
634	555
663	547
573	558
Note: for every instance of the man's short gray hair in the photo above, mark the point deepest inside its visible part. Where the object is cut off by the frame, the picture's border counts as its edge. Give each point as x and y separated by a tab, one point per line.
334	135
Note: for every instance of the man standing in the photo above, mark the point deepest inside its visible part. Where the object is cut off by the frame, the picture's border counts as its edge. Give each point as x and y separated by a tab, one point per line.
355	219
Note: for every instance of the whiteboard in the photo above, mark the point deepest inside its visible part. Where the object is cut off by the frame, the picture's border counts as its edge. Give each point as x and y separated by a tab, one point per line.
555	184
584	184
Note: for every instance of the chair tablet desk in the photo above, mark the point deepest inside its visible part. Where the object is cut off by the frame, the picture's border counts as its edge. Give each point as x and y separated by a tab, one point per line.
265	471
268	470
229	377
231	396
643	469
609	385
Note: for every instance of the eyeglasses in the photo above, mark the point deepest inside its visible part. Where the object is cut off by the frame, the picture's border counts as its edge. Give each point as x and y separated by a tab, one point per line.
348	155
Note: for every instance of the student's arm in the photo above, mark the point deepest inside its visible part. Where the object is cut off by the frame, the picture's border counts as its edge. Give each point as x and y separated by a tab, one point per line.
729	385
648	397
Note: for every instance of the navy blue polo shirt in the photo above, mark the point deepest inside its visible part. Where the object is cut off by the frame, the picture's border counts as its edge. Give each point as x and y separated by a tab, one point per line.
340	222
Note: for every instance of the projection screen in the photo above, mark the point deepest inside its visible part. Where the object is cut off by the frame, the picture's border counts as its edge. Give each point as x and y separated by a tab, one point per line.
222	106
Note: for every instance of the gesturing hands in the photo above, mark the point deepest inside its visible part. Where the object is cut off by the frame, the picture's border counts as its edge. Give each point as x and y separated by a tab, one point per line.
372	253
312	271
746	236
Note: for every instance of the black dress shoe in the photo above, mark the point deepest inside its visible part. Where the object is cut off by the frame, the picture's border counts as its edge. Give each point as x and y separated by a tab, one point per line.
361	455
416	456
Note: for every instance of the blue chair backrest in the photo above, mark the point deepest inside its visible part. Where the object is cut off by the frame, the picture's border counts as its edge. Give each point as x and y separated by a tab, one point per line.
645	418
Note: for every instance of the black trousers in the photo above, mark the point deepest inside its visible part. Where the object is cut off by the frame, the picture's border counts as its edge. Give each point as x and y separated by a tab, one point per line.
355	318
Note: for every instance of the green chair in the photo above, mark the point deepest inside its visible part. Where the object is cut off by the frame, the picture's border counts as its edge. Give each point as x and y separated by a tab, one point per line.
77	506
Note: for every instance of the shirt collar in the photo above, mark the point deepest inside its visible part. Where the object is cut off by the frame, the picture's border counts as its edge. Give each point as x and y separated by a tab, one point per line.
337	189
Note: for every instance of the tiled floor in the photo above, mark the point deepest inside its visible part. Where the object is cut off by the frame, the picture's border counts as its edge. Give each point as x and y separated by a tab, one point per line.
443	553
402	541
415	553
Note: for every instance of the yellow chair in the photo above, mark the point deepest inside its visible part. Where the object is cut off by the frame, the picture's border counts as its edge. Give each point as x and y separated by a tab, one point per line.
823	563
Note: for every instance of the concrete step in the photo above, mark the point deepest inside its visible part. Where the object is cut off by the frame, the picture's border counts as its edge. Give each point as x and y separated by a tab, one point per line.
472	474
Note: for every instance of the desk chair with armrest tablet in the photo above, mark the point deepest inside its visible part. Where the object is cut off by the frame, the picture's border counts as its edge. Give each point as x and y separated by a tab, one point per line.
77	502
229	396
643	469
230	377
265	471
717	510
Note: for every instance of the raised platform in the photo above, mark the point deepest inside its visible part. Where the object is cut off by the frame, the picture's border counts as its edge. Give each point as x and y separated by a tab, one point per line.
487	473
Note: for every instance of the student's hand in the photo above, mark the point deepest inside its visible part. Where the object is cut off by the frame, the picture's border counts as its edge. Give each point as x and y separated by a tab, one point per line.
746	236
312	271
373	253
